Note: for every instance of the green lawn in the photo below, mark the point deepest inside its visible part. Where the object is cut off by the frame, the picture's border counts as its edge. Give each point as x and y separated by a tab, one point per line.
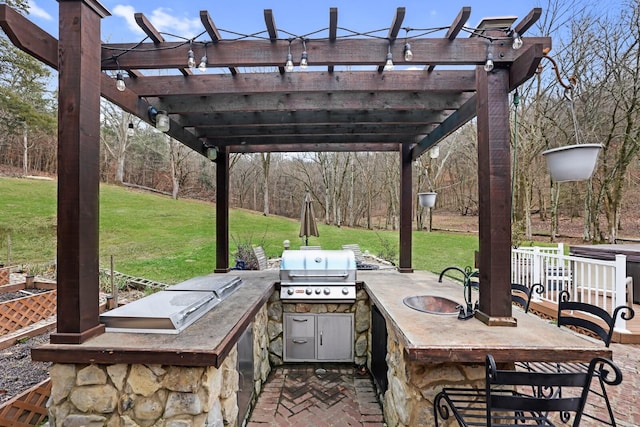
158	238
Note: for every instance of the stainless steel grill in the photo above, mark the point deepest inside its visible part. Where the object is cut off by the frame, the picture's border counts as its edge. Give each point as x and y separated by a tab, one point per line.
318	276
171	310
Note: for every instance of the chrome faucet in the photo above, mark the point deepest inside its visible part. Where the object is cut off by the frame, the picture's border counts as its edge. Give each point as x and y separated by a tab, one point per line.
467	310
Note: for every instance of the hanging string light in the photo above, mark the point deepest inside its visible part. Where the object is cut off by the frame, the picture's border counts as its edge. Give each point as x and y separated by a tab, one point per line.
304	59
191	58
408	54
488	65
120	84
288	66
388	65
131	130
203	62
517	41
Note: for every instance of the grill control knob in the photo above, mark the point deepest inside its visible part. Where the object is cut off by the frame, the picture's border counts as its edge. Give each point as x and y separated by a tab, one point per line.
345	291
290	291
327	291
318	291
308	291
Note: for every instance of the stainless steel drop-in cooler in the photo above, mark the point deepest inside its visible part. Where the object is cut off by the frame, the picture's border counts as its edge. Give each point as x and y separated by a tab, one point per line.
173	309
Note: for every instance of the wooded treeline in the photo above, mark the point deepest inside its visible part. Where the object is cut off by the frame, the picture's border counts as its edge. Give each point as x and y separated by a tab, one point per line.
362	189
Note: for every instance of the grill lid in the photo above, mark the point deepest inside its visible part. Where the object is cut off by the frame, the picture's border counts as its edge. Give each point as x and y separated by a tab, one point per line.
318	266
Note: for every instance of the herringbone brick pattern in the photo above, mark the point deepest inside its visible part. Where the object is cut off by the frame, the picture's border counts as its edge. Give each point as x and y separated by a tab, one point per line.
317	396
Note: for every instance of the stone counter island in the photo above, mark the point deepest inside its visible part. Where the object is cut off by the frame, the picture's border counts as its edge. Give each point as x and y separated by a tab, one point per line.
193	378
426	352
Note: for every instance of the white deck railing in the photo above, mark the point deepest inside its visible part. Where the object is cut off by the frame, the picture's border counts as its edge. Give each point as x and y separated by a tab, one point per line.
594	281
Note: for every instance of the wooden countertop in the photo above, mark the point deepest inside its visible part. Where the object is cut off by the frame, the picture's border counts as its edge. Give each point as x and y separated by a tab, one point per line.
444	338
204	343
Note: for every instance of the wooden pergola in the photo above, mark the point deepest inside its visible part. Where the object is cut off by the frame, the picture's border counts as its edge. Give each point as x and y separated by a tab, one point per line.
249	108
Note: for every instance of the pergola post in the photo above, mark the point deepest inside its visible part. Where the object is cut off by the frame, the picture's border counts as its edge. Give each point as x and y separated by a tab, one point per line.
222	211
406	208
494	196
79	76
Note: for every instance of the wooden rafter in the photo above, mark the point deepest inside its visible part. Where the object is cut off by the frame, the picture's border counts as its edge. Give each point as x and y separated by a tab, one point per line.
272	30
333	29
528	21
396	24
213	32
148	28
456	27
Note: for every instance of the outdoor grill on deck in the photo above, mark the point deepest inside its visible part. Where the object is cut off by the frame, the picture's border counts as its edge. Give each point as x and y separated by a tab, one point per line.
318	276
173	309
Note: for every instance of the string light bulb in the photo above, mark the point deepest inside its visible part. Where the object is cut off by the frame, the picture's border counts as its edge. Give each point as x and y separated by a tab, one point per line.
388	65
191	59
288	66
203	64
517	41
130	129
120	84
408	54
488	65
304	63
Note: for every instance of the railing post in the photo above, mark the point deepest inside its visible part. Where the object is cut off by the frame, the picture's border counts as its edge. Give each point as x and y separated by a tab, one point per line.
620	297
560	248
537	269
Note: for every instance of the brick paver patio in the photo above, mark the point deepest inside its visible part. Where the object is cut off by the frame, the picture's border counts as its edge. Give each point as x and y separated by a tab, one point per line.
318	396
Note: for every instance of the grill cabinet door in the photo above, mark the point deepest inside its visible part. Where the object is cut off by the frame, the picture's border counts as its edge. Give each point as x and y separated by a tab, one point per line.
335	337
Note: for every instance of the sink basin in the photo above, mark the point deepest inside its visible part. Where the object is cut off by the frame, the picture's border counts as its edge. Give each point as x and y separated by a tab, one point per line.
432	304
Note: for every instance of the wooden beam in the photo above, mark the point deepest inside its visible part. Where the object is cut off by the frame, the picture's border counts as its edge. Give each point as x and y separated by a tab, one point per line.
284	118
308	129
528	21
525	66
333	29
213	32
339	101
28	37
319	147
308	82
454	122
456	27
307	139
272	30
148	28
396	24
346	52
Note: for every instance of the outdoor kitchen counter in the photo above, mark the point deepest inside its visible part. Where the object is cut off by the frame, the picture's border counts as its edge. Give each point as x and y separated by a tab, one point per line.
434	338
204	343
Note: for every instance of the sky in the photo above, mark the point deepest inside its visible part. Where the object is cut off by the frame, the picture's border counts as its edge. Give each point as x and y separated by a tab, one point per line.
299	18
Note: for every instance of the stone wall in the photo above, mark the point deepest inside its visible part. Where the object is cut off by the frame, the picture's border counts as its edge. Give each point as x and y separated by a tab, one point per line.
362	322
414	385
153	395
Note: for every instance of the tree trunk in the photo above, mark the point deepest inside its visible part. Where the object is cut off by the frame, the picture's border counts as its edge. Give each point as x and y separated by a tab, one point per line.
25	147
266	166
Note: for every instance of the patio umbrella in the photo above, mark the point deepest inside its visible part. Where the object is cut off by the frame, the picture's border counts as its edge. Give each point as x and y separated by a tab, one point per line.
308	225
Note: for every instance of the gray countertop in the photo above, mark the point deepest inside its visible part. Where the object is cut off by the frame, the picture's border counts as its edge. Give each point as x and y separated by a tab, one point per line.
443	338
204	343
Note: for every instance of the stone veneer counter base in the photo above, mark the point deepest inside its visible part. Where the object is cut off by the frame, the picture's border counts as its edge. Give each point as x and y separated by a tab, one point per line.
434	338
204	343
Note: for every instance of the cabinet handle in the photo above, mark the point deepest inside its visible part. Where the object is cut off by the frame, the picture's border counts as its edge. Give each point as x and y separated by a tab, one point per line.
295	319
320	337
299	341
